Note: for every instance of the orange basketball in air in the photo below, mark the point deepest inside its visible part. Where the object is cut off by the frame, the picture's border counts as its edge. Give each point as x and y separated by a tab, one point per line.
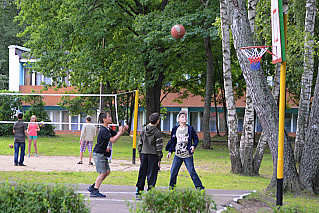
178	31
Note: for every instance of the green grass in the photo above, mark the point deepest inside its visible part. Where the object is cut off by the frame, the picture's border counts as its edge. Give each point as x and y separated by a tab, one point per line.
213	167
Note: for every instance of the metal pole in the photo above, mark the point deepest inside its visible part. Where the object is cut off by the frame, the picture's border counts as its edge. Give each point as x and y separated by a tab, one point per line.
135	126
281	133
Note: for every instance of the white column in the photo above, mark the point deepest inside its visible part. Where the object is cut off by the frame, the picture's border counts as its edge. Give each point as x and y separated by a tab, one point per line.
171	120
144	119
198	121
33	77
162	121
70	122
60	120
79	121
14	69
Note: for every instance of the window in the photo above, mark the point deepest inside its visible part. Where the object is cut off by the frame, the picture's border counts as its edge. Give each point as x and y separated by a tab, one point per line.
194	120
294	120
74	119
212	122
166	122
222	122
288	122
65	119
27	77
56	118
175	123
82	121
258	126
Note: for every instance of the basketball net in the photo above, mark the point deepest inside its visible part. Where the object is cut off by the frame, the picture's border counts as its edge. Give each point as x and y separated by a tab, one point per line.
254	55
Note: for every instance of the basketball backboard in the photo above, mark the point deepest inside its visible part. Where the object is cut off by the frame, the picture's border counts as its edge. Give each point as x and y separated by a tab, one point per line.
277	32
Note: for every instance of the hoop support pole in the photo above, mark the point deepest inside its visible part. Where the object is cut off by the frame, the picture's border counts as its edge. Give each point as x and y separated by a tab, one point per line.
135	126
281	132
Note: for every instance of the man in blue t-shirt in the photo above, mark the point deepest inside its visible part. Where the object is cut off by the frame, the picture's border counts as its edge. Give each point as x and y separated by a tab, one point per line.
100	152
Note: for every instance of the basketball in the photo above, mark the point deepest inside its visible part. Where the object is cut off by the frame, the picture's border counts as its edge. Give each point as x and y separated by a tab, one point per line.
10	145
178	31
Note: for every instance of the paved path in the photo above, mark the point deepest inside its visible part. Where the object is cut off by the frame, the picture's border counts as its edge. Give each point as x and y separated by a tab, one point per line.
117	197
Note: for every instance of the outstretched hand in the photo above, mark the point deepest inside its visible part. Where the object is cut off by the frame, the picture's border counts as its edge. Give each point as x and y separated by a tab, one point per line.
123	129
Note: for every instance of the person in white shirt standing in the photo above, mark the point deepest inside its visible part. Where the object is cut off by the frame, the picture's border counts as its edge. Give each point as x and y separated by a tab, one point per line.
86	140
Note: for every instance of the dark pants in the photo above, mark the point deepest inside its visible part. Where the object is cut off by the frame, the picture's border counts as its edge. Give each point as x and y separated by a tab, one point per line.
18	145
189	163
149	168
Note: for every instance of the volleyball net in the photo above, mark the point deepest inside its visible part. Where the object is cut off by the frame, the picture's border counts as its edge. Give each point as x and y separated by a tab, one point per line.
66	111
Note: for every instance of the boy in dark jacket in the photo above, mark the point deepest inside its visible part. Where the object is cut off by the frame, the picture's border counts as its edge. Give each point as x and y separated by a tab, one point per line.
181	143
150	150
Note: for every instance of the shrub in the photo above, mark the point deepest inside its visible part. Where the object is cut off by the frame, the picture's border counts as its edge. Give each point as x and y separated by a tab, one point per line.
177	200
31	197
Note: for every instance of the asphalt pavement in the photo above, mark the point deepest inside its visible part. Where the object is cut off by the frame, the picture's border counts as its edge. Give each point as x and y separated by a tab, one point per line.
117	198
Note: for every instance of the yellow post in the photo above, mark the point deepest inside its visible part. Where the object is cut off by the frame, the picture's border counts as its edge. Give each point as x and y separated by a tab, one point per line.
281	132
135	125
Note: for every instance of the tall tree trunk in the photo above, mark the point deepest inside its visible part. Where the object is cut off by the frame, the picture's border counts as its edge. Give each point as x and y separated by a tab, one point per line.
208	93
153	93
216	112
309	165
263	101
252	13
247	139
262	143
306	81
233	143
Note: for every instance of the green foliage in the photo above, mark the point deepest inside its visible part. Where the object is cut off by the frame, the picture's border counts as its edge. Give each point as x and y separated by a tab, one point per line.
37	109
33	197
8	36
177	200
9	106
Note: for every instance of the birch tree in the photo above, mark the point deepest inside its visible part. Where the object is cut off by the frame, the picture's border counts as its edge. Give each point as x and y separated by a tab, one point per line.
233	143
306	81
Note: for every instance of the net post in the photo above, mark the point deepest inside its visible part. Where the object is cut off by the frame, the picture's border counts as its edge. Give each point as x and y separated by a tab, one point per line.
135	126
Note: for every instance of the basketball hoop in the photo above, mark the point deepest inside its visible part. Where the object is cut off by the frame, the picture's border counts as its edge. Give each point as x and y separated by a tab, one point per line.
254	54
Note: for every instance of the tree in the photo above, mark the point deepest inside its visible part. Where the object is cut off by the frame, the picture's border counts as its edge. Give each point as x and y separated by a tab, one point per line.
307	76
233	143
124	44
8	36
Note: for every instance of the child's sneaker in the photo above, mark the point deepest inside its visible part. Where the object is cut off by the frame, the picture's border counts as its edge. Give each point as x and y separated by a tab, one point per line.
28	155
36	155
96	193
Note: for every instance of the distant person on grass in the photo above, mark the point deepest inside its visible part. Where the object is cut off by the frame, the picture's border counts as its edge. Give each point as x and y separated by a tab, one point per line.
99	152
86	140
33	129
20	131
183	142
150	148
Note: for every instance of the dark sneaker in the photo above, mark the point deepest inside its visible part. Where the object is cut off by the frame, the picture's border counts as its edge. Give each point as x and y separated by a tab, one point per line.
90	188
96	193
138	196
16	164
21	164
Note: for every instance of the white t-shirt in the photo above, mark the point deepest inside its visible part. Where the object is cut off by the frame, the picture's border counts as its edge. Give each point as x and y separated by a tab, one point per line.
182	141
88	132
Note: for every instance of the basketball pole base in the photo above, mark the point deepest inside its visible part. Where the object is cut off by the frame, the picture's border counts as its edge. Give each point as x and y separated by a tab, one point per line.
134	156
280	184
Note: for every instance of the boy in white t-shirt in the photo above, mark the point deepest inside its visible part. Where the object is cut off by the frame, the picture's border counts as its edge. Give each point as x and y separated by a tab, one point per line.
183	142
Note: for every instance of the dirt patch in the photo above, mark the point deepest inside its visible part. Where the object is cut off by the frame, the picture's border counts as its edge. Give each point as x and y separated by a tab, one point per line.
252	205
66	163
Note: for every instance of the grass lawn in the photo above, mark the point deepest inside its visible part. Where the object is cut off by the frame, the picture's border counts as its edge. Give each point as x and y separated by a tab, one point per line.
213	167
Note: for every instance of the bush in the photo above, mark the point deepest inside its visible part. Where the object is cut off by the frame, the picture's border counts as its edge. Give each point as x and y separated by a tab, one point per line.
177	200
31	197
